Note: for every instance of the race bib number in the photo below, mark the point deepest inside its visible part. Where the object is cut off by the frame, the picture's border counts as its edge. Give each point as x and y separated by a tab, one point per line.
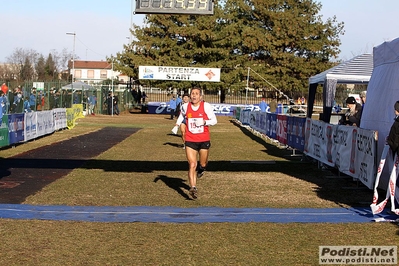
192	125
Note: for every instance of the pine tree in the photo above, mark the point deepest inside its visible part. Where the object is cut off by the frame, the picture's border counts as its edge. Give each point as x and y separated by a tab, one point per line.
285	42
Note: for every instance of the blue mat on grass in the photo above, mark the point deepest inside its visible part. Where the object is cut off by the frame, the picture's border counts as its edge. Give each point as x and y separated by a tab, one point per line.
189	215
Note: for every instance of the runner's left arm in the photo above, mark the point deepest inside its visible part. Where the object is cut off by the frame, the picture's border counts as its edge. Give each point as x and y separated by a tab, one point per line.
211	115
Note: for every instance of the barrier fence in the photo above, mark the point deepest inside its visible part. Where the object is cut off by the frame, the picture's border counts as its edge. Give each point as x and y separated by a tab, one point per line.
17	128
351	150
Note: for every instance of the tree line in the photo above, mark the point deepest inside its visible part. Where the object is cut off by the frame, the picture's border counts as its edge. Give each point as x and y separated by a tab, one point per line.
29	65
286	42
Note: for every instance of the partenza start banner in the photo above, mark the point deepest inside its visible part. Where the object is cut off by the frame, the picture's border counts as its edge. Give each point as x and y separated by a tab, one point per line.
179	73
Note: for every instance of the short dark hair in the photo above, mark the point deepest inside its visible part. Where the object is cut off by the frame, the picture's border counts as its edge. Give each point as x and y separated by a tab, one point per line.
197	88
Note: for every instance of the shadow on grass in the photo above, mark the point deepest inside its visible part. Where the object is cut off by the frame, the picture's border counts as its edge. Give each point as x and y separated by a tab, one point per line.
329	183
35	169
176	184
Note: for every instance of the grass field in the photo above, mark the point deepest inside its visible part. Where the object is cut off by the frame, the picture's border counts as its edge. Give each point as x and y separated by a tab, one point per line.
137	172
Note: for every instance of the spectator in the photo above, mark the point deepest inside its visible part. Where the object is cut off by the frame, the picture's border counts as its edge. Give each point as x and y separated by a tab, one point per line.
116	102
178	105
303	101
362	96
353	115
172	106
2	105
139	97
393	137
143	97
32	99
134	95
92	104
4	88
112	104
263	105
18	103
27	105
273	105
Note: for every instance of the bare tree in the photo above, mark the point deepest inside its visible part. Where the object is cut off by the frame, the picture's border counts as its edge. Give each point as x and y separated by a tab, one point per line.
18	61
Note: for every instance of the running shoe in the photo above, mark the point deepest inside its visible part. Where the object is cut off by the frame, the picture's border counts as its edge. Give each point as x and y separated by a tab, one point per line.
200	172
193	192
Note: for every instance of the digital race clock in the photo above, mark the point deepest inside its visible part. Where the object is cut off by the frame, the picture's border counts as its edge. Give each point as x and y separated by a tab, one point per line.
178	7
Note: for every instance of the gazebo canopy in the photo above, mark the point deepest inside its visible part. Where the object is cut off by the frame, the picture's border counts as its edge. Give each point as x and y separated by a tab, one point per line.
77	86
354	71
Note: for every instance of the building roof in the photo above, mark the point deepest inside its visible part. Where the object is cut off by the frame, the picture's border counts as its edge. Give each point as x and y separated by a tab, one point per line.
90	64
355	70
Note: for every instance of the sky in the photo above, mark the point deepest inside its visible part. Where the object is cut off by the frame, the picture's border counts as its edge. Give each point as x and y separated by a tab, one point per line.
102	27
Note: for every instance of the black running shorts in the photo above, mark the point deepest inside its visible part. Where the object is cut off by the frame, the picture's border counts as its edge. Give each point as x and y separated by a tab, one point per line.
198	145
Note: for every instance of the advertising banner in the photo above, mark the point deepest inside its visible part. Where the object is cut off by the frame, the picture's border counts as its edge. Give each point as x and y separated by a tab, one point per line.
4	134
296	132
218	109
41	130
271	125
363	149
16	127
350	149
30	125
282	129
60	119
179	73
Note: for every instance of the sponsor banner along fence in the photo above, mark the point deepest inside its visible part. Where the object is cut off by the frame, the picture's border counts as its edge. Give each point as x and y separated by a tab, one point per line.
17	128
218	108
350	149
288	130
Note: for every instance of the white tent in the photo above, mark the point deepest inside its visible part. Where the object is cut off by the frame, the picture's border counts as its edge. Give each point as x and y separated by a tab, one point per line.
77	86
382	93
357	70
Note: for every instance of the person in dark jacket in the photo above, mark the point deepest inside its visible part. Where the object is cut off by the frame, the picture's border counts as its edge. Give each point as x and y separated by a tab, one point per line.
393	137
354	114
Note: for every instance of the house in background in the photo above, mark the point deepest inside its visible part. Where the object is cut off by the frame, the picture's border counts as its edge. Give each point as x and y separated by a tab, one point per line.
94	72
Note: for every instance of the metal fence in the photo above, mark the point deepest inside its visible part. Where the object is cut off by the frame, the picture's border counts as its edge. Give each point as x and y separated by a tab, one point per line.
53	95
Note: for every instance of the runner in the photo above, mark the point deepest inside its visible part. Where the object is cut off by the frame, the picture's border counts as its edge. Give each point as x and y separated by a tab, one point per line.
181	122
199	116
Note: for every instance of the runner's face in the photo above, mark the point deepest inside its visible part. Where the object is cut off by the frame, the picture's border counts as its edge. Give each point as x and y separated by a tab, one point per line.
195	96
186	99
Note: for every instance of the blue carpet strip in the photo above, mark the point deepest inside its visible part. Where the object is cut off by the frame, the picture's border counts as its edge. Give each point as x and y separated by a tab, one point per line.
151	214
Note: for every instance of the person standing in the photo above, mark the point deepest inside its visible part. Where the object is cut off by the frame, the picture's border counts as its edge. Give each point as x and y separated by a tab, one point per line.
181	122
353	115
27	105
199	116
134	95
273	105
115	100
32	99
393	136
172	106
2	105
362	96
178	105
263	106
109	103
143	97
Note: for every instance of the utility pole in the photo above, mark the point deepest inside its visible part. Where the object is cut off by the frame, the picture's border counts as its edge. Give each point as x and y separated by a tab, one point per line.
73	65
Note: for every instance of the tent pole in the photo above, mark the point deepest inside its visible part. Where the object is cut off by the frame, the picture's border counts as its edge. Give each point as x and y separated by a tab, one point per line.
246	91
